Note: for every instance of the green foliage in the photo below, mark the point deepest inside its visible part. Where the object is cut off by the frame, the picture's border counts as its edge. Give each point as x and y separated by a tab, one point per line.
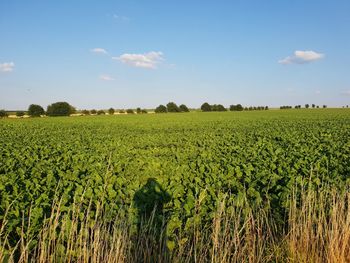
206	107
111	111
161	109
3	114
130	111
183	108
254	158
85	112
20	113
60	109
93	111
237	107
172	107
121	111
35	110
101	112
138	111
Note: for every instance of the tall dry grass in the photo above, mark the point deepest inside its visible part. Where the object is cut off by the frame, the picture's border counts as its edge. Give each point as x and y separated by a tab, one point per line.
317	230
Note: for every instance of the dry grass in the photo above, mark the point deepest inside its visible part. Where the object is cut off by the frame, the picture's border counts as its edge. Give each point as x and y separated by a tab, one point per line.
318	230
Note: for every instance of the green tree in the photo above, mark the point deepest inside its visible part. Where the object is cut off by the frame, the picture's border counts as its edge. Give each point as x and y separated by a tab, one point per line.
60	109
324	106
307	106
237	107
111	111
3	114
313	106
85	112
101	112
161	109
144	111
206	107
130	111
35	110
121	111
138	110
20	113
172	107
93	111
183	108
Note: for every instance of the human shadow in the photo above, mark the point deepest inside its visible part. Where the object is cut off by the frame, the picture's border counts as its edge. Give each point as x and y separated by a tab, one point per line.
149	202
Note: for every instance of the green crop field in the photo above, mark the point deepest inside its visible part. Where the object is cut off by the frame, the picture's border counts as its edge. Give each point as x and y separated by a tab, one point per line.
178	169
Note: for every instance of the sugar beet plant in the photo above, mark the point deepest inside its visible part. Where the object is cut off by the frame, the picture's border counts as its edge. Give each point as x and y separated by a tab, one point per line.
175	169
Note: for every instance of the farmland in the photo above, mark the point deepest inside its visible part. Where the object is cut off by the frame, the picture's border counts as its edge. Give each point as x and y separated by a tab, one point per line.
175	172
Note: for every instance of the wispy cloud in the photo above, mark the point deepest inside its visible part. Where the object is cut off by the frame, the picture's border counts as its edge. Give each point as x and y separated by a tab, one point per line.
148	60
7	67
302	57
122	18
106	77
98	50
345	93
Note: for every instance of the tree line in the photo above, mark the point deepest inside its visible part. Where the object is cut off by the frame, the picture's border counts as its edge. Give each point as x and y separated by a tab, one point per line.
307	106
238	107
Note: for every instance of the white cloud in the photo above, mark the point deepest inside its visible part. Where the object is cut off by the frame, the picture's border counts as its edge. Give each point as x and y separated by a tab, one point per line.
302	57
148	60
106	77
346	93
7	67
122	18
99	50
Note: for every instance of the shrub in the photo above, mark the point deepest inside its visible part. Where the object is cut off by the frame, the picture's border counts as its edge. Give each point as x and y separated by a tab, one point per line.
121	111
111	111
138	111
237	107
161	109
3	114
35	110
60	109
20	113
183	108
218	107
206	107
144	111
85	112
172	107
93	111
101	112
130	111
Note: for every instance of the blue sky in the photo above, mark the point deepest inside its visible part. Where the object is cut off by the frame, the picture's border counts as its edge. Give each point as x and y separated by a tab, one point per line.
101	54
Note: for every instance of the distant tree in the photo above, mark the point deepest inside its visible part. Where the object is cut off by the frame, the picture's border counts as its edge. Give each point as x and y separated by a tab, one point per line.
218	107
3	114
250	108
20	113
183	108
144	111
111	111
60	109
138	110
93	111
130	111
317	106
101	112
172	107
85	112
121	111
324	106
266	107
205	107
161	109
237	107
307	106
347	106
35	110
313	106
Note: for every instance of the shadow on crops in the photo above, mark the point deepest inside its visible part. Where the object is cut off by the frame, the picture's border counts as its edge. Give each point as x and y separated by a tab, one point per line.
150	244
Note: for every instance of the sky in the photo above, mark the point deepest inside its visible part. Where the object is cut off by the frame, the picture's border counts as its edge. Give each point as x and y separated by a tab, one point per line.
122	54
